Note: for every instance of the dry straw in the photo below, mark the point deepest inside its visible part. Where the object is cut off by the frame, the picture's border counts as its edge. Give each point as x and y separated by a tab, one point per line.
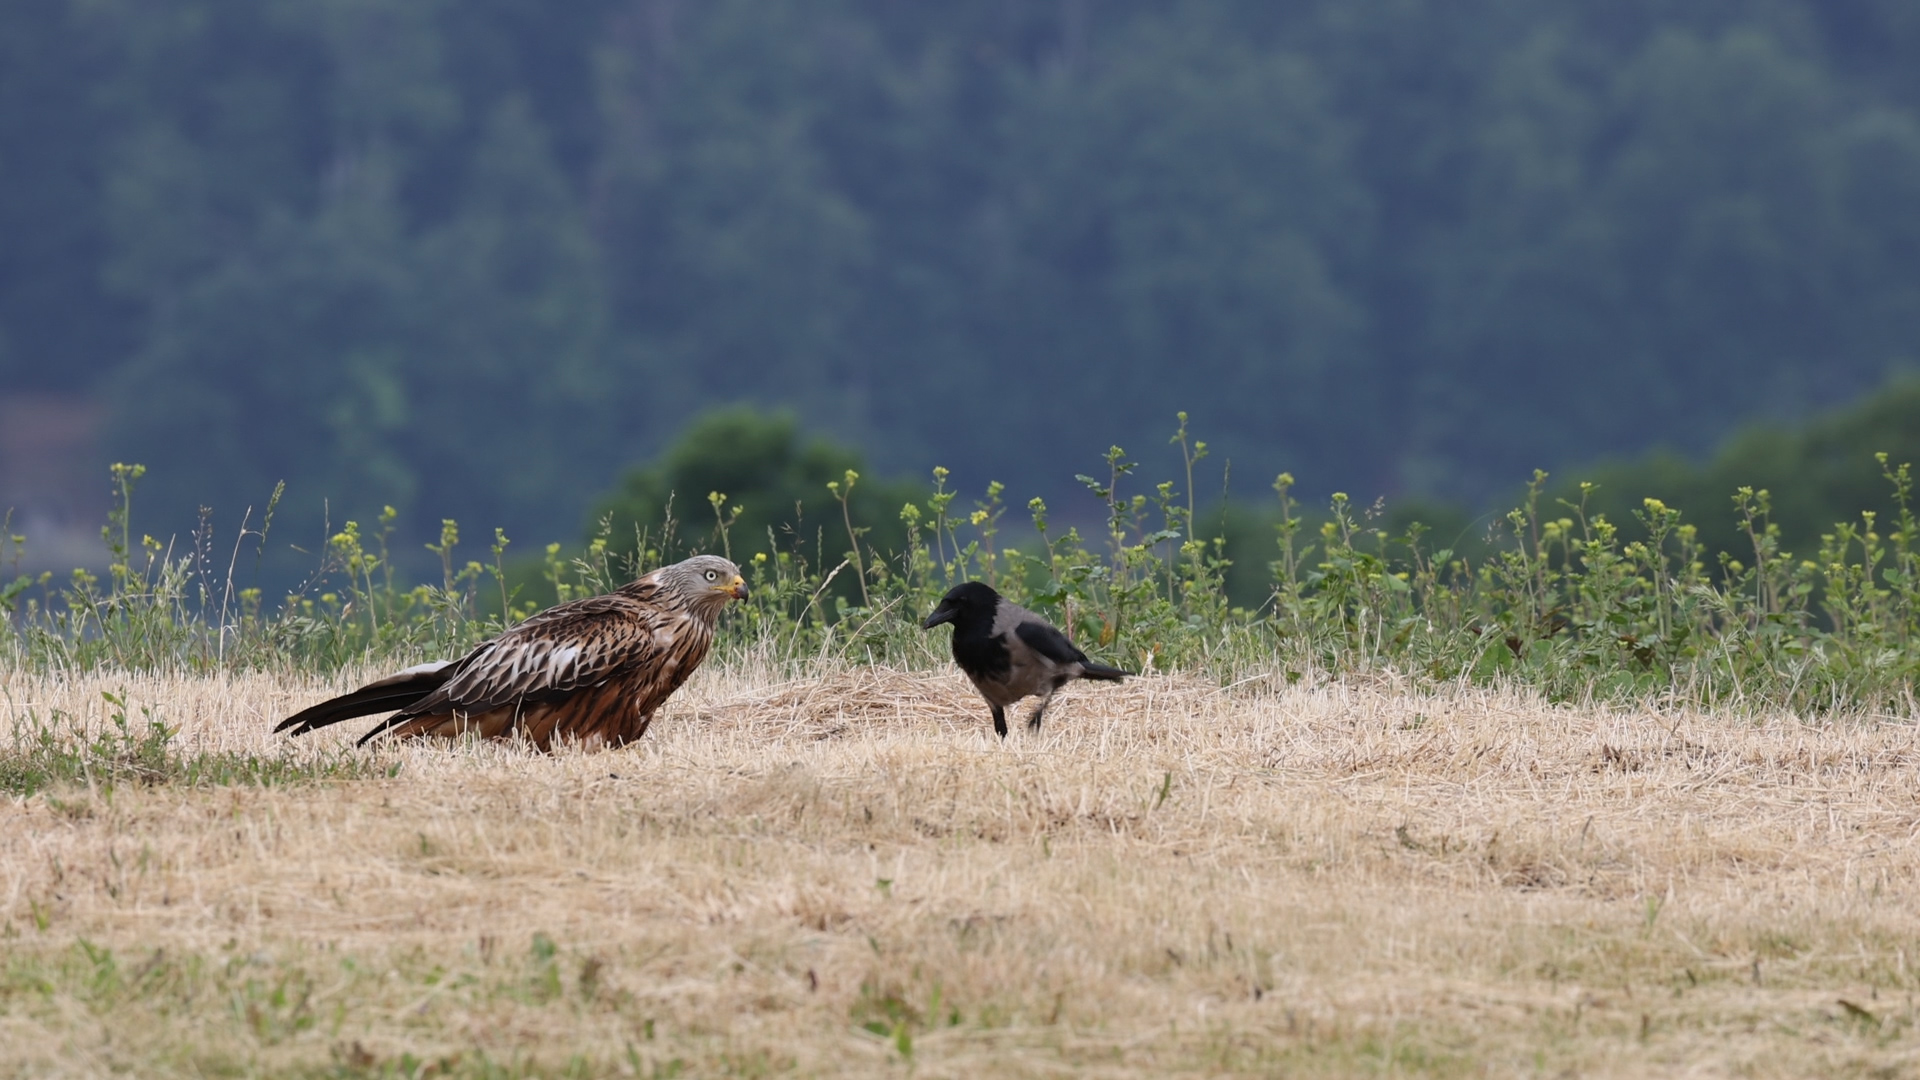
847	874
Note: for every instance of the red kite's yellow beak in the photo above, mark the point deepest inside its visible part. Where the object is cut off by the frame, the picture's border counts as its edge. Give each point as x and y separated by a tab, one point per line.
739	587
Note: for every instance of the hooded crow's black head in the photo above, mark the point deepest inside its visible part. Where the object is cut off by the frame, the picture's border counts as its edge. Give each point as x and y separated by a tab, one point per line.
968	604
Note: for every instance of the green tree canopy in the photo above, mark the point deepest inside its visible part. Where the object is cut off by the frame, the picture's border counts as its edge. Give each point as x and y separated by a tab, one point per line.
1816	474
775	482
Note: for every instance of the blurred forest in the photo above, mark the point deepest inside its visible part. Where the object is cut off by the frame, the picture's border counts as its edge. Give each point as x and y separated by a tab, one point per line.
475	258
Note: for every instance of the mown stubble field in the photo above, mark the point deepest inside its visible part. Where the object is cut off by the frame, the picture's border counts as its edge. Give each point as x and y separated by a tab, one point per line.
848	875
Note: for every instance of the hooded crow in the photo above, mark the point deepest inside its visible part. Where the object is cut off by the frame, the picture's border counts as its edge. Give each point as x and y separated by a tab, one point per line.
1009	652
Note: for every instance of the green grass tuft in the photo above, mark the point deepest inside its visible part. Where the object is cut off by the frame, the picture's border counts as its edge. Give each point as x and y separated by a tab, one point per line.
59	751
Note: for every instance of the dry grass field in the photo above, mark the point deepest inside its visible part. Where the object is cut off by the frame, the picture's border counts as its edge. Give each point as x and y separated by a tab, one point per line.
848	875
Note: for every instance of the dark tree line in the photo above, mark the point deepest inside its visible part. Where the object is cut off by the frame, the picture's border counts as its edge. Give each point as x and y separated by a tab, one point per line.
473	257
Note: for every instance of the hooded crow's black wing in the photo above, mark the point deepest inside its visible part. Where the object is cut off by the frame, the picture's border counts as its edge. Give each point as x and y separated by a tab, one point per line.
1048	642
1052	644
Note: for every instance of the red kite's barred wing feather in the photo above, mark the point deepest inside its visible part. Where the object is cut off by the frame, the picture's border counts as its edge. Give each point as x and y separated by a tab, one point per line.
385	695
557	651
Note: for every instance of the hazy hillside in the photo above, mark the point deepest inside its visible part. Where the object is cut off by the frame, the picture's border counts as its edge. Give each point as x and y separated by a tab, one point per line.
472	258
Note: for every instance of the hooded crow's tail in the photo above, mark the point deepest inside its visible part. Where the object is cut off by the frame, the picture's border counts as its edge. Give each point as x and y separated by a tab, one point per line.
387	695
1090	669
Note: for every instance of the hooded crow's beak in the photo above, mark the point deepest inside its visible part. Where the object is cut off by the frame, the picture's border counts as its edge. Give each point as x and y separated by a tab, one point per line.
940	615
739	587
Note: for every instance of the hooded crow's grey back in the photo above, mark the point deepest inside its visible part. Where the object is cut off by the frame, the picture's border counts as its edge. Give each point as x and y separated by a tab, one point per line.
1009	652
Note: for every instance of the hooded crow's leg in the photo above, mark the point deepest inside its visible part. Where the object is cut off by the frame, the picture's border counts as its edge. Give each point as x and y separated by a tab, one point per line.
1046	699
999	720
